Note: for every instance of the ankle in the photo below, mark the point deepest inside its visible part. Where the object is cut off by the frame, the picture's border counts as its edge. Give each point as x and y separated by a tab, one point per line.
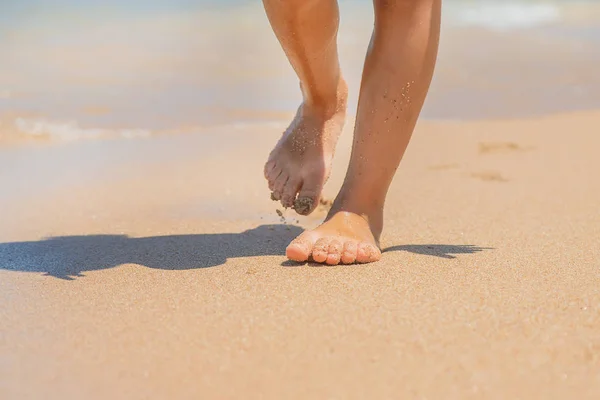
371	212
326	104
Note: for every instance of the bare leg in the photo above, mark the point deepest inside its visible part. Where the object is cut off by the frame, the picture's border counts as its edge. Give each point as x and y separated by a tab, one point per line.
396	77
300	163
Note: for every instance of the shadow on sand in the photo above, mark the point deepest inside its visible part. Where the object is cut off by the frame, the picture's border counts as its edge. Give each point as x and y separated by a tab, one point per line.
438	250
68	257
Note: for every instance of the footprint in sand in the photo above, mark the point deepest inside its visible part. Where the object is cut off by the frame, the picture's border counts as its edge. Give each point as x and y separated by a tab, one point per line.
486	148
489	176
501	147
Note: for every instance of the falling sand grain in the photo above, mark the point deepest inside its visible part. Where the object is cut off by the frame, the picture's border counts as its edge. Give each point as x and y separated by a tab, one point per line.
281	216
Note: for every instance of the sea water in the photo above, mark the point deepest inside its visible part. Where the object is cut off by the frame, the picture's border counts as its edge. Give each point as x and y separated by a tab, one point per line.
74	69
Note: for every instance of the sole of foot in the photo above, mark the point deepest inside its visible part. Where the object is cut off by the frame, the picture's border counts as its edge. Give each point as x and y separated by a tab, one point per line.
300	164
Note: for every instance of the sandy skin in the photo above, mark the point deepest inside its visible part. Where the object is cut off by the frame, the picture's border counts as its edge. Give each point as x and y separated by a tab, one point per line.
396	77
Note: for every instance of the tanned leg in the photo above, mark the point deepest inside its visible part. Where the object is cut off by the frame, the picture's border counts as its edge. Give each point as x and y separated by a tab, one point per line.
300	163
396	78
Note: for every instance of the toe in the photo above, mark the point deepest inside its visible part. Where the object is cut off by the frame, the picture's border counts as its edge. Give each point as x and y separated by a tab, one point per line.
335	252
321	250
367	253
289	192
273	175
279	185
299	250
308	197
269	166
374	254
349	252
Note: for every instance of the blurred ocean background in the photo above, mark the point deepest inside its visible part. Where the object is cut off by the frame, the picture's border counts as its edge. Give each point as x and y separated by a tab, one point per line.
72	69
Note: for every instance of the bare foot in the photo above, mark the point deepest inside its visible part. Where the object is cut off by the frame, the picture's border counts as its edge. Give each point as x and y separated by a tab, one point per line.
344	237
300	163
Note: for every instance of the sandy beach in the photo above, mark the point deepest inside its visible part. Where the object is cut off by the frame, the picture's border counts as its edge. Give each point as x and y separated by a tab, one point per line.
145	275
142	258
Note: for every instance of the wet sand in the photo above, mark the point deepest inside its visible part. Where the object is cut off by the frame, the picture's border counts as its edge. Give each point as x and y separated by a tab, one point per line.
153	268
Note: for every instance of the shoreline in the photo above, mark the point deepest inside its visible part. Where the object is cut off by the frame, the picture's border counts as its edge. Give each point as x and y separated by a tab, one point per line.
45	133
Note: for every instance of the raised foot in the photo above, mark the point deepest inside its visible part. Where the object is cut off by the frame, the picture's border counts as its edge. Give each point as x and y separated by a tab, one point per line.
343	238
300	163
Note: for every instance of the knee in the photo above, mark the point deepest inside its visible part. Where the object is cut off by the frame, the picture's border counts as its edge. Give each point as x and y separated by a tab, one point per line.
290	4
398	15
299	7
295	4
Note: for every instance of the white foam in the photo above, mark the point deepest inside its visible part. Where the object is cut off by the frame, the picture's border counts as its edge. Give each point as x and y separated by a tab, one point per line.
504	16
70	130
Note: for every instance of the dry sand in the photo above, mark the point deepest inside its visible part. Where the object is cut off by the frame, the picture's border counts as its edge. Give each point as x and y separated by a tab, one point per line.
154	269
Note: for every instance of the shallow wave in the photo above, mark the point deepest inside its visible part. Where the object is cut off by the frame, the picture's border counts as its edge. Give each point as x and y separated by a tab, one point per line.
70	130
19	129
